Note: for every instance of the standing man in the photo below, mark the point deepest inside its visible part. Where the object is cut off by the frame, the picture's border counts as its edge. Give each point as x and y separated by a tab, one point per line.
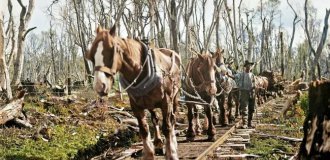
246	85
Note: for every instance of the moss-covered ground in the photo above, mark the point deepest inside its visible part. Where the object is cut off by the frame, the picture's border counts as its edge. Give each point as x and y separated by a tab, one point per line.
288	126
76	127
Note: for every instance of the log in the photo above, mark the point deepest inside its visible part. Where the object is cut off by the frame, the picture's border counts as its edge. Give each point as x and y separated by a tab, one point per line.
12	110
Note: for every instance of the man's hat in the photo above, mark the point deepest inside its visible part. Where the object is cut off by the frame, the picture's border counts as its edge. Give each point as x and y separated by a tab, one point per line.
246	63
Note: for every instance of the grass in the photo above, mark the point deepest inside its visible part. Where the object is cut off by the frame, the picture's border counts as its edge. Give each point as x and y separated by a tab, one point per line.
268	147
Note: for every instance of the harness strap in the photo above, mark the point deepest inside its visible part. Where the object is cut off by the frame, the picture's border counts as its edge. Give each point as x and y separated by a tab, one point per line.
105	70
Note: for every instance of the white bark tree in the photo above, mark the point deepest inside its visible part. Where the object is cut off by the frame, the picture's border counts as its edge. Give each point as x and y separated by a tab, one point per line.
25	17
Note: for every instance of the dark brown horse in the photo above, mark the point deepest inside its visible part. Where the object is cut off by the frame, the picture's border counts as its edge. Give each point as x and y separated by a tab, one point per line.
201	79
228	89
151	78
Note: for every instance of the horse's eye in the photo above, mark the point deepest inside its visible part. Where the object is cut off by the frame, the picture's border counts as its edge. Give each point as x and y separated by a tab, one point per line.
107	75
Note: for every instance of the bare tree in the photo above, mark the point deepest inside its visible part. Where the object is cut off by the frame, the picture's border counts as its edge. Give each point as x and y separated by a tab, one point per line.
233	33
25	17
295	21
81	29
188	10
317	53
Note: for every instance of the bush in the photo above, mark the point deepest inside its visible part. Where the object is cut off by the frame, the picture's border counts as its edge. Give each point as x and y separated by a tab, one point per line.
304	103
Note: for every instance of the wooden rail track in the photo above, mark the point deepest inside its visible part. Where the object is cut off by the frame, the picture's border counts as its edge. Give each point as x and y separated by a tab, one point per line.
199	149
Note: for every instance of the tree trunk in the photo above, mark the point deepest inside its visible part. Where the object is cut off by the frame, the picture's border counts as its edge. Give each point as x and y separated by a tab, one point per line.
233	34
262	48
152	4
25	17
81	36
174	31
282	54
318	52
315	144
4	74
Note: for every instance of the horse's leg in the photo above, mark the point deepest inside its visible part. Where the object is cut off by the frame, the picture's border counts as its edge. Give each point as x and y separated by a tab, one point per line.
222	115
158	139
230	106
237	104
168	128
148	147
191	130
211	128
236	94
198	129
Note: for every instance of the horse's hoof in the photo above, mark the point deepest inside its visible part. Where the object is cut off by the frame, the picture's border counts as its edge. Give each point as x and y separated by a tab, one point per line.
159	151
211	139
190	139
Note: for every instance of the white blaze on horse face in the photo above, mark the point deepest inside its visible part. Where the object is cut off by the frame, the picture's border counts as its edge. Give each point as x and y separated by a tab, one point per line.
100	78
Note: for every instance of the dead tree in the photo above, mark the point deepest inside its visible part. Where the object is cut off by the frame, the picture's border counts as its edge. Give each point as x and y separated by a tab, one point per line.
81	32
317	53
294	23
233	33
316	141
25	17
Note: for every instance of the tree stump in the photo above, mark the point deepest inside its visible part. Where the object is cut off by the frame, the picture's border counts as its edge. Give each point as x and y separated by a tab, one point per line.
316	141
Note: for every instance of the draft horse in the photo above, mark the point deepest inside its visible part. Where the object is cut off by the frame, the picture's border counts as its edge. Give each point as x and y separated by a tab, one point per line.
228	89
151	78
200	78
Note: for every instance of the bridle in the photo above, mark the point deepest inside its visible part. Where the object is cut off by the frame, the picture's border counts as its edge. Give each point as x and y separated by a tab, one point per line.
112	72
106	70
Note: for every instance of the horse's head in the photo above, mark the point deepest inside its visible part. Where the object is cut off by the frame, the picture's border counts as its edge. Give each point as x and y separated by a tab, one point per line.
105	53
206	69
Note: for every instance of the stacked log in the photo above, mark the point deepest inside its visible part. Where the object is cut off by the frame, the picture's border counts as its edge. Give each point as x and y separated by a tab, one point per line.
316	141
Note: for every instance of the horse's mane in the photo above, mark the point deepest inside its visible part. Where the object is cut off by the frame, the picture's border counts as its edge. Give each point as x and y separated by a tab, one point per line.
131	48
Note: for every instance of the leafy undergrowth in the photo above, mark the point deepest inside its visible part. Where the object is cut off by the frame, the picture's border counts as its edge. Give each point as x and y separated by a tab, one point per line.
290	125
64	128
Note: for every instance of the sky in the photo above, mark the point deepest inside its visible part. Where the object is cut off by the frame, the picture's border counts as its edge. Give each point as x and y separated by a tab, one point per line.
40	19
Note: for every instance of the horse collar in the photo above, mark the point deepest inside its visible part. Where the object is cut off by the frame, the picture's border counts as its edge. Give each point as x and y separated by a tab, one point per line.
148	82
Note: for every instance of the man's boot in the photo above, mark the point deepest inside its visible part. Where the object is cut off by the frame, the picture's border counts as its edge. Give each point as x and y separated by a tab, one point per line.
244	119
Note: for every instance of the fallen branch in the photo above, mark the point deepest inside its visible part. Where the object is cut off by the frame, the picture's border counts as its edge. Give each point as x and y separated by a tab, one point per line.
117	109
280	137
121	112
22	123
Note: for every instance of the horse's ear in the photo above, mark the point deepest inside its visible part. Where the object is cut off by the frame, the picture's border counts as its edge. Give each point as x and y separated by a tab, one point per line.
99	29
113	30
200	56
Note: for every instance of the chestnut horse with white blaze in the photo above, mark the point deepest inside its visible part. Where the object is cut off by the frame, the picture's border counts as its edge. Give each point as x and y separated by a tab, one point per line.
201	78
151	78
